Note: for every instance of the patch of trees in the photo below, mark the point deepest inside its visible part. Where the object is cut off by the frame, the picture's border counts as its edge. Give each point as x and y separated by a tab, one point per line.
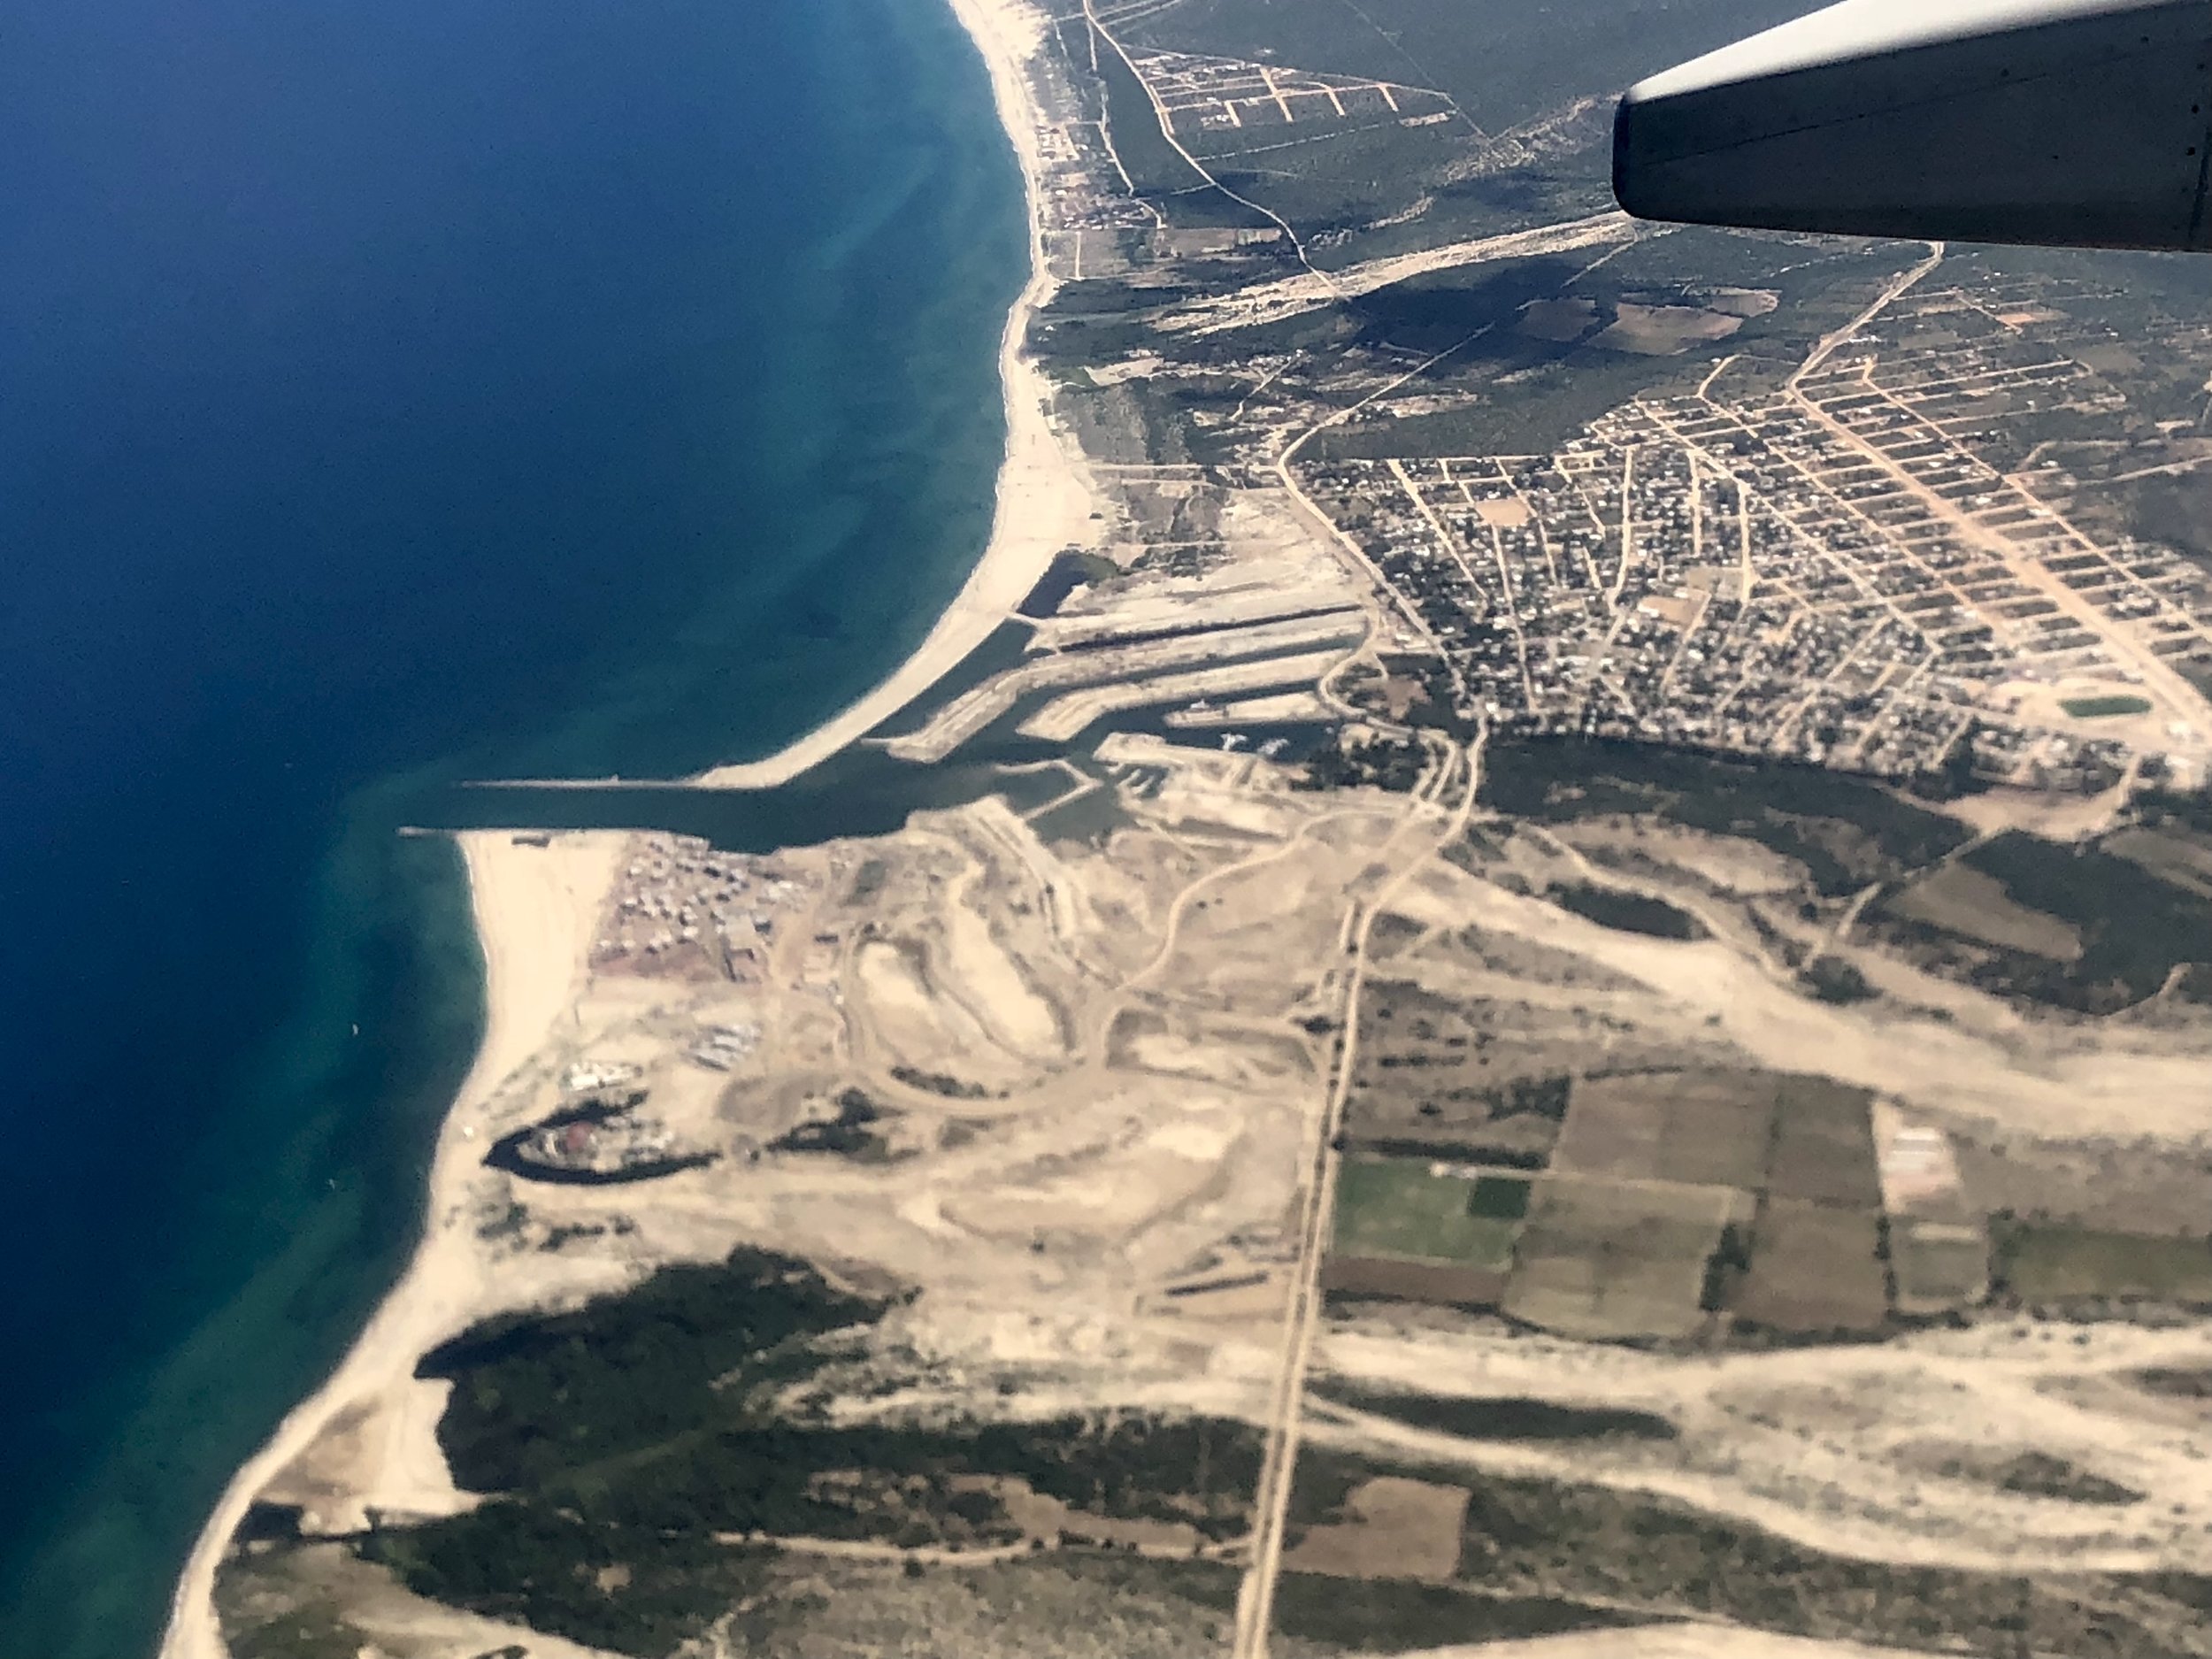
1070	569
627	1590
1540	1096
1512	1418
538	1555
537	1393
620	1437
1776	804
847	1133
1726	1268
940	1083
2135	929
1624	913
1395	764
1389	1615
1832	980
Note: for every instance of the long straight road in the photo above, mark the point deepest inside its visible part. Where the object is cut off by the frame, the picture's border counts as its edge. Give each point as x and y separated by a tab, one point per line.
1255	1598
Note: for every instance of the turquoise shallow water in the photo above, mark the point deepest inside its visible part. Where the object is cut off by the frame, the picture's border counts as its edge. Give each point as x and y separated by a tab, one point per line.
395	395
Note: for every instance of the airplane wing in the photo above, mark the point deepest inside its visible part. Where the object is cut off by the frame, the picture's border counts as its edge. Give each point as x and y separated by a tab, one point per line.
2080	123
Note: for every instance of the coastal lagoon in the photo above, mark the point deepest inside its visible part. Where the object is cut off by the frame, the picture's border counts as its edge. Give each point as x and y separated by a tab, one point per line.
394	397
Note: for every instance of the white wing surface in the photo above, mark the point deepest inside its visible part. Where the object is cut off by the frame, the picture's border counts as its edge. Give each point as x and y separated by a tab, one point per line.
2082	123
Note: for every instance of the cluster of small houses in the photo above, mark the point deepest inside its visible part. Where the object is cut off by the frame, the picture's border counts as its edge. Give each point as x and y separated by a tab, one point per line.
723	1045
1788	598
682	904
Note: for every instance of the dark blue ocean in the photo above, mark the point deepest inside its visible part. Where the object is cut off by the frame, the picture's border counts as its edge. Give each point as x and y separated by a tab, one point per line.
390	393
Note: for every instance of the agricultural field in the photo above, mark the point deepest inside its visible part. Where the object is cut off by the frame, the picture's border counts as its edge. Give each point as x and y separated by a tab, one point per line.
1605	1262
2059	1264
1680	1203
1824	1145
1815	1269
1701	1128
1404	1209
1938	1264
1433	1077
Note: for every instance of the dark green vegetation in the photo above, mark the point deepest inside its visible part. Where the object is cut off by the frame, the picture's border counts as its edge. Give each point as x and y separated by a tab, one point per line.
1502	1419
848	1133
1499	1198
1846	831
1354	189
2140	925
2175	1383
266	1627
536	1394
1363	1615
1378	763
1626	912
1516	66
939	1082
2040	1475
633	1589
1154	168
1832	980
623	1437
1642	1558
805	1605
2099	708
868	881
2135	929
1726	1268
1070	569
2135	901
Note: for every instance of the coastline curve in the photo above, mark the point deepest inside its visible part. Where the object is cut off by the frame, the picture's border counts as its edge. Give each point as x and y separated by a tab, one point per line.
534	907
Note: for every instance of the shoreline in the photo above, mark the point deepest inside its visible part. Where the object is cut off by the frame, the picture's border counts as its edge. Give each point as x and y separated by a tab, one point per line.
1043	500
534	908
534	911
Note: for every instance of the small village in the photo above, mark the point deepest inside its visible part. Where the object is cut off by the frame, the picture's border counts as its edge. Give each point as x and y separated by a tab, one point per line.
1833	572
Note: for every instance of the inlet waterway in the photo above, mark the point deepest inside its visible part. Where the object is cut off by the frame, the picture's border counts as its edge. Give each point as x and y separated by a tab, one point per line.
391	395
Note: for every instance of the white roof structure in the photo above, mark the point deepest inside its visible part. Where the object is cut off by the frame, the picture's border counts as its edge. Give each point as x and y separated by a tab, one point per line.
2069	122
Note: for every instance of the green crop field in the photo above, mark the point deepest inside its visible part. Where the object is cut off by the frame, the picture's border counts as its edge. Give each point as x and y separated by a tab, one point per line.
1499	1198
1396	1208
2097	708
2061	1263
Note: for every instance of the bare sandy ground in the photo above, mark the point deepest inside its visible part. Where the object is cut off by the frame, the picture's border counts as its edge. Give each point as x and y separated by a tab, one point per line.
1663	1641
536	910
1044	499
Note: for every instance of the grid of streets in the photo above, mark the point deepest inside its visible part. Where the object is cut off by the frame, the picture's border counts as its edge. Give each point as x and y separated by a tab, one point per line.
1833	570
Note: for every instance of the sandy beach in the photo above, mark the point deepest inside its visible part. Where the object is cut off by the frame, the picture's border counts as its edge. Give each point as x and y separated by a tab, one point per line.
1044	499
535	908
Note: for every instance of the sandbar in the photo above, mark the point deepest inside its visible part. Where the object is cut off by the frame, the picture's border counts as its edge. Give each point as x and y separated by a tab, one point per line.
1045	499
